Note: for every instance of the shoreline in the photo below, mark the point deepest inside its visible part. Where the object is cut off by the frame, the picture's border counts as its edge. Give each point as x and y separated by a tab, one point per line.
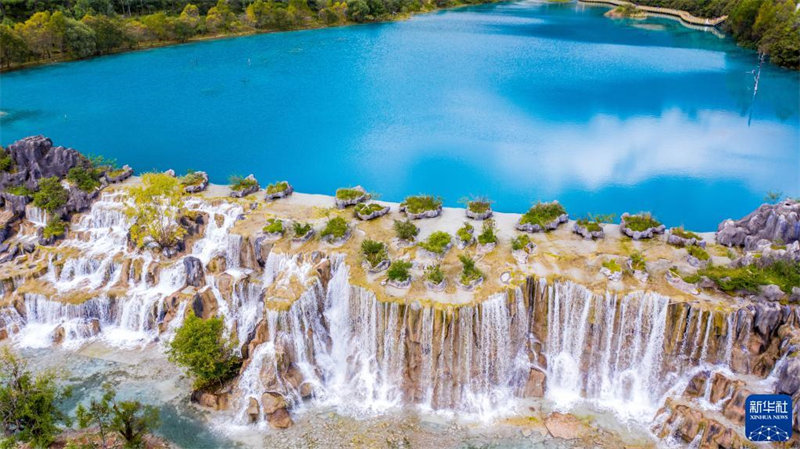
677	14
218	37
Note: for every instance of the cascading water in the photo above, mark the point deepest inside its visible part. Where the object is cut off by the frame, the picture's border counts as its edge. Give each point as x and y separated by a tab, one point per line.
606	349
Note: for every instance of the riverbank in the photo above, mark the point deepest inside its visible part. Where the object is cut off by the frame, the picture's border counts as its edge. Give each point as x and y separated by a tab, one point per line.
683	16
244	29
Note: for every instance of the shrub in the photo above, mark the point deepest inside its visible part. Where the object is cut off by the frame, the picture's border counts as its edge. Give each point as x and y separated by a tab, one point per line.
6	161
641	222
156	205
56	227
239	183
84	178
19	190
30	404
697	252
277	187
398	271
192	178
612	265
421	203
479	206
469	272
366	209
638	261
437	242
434	274
274	226
336	228
51	195
464	233
520	242
590	225
202	348
405	230
374	252
542	213
487	234
349	193
682	233
749	278
300	229
131	420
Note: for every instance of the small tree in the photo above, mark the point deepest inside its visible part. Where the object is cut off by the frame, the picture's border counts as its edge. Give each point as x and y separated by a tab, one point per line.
130	419
51	195
29	404
157	203
200	346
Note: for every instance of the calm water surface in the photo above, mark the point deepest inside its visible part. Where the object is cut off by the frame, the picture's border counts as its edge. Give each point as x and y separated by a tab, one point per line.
519	101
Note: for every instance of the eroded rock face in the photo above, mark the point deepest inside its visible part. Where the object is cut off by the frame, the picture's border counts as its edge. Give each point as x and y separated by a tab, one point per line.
194	271
35	157
778	223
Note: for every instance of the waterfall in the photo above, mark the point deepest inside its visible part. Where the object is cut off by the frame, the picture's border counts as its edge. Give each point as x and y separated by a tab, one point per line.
38	217
606	349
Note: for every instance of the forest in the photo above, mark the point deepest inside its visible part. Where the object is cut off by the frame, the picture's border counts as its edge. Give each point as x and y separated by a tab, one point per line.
37	31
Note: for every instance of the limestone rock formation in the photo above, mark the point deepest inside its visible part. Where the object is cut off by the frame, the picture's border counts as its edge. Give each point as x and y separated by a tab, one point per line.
35	157
779	223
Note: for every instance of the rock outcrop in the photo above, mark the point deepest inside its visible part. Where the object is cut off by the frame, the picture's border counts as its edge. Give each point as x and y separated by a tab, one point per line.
778	223
35	158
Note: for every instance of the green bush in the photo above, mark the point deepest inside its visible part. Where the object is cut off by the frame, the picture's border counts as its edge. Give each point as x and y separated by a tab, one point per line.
30	404
641	222
464	233
19	190
192	178
421	203
437	242
698	252
51	196
274	226
300	229
374	252
6	161
202	348
56	227
336	228
479	206
434	274
638	261
488	234
398	271
405	230
520	242
277	187
84	178
348	193
542	213
469	272
590	225
612	265
238	183
682	233
366	209
749	278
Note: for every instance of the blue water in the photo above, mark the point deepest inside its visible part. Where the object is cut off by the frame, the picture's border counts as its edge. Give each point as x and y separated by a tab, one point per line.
519	101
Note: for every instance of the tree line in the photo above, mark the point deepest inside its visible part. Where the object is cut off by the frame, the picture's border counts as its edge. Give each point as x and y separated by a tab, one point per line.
770	26
35	31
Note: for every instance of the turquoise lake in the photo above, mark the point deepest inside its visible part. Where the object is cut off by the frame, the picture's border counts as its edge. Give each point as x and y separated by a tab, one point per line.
517	101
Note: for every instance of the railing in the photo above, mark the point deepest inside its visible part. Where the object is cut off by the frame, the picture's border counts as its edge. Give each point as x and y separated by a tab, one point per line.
683	15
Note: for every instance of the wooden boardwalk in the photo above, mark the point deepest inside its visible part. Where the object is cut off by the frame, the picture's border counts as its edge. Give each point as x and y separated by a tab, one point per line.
682	15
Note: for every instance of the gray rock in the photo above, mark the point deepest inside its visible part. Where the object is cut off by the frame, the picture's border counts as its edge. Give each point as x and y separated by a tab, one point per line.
35	158
586	234
278	195
778	223
343	203
125	173
194	271
771	292
246	191
789	377
639	235
479	216
530	227
196	188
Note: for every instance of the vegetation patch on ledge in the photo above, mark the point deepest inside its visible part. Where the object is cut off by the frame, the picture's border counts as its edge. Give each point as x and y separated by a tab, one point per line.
437	243
542	217
421	206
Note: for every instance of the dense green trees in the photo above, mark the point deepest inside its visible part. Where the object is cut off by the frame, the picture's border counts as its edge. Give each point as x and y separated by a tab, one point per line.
769	26
33	31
